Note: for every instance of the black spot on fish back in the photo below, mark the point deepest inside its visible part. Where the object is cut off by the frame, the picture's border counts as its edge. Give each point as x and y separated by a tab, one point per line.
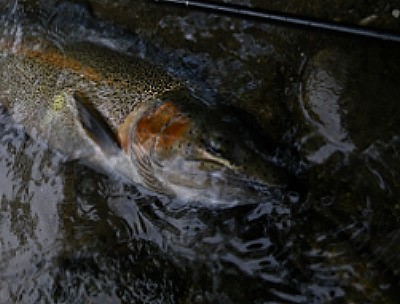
124	70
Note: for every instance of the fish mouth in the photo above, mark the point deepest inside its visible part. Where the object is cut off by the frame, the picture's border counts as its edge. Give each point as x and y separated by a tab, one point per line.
211	182
208	158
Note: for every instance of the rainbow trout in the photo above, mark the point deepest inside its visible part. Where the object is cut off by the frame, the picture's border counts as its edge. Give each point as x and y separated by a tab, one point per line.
123	115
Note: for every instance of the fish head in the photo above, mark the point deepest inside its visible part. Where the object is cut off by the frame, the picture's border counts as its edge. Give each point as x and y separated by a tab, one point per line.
196	152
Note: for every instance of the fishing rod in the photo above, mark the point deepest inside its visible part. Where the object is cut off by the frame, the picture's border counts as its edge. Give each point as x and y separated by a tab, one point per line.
284	19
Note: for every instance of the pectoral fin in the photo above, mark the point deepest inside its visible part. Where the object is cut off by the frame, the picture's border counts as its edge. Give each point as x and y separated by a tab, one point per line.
95	125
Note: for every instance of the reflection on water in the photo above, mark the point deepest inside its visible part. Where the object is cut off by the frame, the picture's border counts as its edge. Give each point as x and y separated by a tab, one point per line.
321	97
69	234
31	193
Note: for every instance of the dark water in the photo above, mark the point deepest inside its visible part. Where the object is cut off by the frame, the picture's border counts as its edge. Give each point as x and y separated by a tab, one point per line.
71	235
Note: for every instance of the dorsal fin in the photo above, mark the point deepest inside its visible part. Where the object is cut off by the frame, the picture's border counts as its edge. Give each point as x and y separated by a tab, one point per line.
95	125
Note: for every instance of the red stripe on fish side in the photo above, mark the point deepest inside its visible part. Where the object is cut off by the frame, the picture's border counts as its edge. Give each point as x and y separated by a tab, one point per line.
58	60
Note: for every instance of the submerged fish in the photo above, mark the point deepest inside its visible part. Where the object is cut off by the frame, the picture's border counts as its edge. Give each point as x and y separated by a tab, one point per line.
124	115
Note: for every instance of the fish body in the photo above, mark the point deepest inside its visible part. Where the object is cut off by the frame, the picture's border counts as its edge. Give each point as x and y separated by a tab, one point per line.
124	115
